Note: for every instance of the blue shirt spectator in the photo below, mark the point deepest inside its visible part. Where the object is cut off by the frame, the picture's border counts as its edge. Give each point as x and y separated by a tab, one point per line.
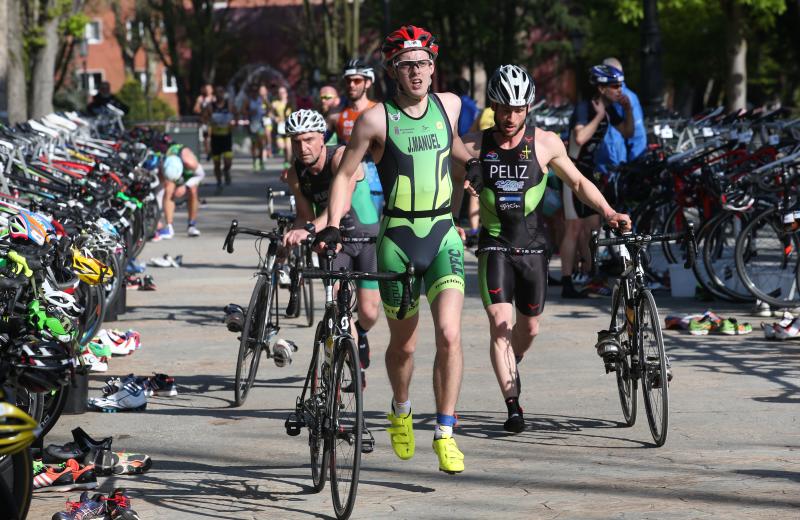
469	108
627	150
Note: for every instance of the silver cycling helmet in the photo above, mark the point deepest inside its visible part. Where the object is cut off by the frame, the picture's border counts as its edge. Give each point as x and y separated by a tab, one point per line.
357	67
511	85
304	120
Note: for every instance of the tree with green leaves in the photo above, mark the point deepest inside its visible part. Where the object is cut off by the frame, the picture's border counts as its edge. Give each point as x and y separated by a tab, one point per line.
201	26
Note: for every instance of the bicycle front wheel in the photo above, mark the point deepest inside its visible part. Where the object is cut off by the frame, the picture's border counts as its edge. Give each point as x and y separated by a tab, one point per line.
653	363
250	343
626	384
308	300
16	484
318	448
347	427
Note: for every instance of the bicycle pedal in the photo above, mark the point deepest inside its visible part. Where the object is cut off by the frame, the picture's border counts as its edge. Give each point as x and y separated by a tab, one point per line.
293	425
367	445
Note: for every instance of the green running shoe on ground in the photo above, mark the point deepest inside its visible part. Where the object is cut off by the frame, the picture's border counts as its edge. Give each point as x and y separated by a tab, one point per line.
731	327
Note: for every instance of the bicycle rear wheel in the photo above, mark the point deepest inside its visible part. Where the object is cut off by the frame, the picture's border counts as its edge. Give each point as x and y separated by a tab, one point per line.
347	427
318	448
653	360
626	384
251	341
16	484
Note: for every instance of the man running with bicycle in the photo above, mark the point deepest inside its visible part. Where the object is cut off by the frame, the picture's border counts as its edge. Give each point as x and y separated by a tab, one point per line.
413	139
508	174
310	178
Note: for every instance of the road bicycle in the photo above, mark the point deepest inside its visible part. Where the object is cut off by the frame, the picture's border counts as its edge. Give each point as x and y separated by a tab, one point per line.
634	335
331	402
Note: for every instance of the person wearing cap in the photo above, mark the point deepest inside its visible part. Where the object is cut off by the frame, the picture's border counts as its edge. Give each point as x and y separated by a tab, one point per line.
181	174
414	140
358	77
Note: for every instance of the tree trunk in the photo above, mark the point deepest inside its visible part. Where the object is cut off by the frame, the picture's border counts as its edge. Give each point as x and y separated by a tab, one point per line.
44	68
736	44
3	55
16	86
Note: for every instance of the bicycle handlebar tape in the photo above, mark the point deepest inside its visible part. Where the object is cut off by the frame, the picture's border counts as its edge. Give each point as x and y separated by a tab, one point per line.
405	300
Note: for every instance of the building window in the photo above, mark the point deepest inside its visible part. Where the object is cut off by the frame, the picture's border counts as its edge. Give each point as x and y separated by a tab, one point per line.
141	75
168	82
93	32
134	29
90	81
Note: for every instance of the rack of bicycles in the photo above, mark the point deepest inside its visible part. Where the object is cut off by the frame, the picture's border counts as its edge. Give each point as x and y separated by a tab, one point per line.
77	203
736	177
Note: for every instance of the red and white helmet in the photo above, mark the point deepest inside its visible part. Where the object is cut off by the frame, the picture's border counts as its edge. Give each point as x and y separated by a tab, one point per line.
408	38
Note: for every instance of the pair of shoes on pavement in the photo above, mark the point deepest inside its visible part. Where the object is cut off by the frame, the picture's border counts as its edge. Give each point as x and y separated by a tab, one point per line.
91	451
787	328
121	395
116	506
401	434
166	261
116	342
710	322
146	283
65	476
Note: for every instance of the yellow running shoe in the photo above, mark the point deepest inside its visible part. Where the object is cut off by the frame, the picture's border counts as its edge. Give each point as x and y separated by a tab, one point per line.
451	460
401	432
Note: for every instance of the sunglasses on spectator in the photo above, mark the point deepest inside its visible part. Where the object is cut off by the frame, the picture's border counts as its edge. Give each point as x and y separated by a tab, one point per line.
405	66
326	97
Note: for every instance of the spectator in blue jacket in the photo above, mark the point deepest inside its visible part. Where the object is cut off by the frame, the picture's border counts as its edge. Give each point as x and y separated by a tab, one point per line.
469	109
617	148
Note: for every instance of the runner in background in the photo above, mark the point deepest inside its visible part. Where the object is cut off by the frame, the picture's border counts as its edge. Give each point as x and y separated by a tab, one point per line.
200	104
281	111
263	93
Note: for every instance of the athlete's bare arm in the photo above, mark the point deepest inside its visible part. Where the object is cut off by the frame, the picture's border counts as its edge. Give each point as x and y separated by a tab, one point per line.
459	153
368	136
555	155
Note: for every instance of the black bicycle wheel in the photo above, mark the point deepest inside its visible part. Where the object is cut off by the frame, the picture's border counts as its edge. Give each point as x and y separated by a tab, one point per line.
16	484
308	300
251	341
318	448
653	363
626	384
347	427
718	251
52	406
767	260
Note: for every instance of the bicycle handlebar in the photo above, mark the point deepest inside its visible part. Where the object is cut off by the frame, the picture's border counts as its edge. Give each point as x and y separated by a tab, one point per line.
641	239
235	230
406	278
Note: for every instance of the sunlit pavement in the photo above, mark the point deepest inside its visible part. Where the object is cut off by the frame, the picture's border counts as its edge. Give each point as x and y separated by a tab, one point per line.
732	450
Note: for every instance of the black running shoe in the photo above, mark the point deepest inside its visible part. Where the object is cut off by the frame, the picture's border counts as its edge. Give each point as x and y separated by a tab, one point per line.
515	423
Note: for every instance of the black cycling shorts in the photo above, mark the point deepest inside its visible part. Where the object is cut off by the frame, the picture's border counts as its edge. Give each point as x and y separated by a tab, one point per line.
505	277
358	256
221	144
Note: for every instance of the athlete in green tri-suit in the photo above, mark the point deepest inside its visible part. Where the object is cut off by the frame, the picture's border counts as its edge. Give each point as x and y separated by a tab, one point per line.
413	141
510	172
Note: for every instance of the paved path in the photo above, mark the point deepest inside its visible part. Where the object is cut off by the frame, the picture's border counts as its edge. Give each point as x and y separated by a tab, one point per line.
732	450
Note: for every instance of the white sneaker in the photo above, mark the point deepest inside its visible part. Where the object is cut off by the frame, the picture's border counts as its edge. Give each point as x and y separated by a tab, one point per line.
120	344
762	309
130	397
788	332
94	363
192	231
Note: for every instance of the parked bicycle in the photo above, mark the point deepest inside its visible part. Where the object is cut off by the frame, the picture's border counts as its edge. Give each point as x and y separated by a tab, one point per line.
633	346
331	402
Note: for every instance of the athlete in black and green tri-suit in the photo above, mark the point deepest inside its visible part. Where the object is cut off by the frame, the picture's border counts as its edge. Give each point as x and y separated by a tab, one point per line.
413	142
508	175
310	178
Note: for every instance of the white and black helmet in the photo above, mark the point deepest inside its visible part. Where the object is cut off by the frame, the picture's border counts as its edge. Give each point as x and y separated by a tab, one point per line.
511	85
304	120
357	67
